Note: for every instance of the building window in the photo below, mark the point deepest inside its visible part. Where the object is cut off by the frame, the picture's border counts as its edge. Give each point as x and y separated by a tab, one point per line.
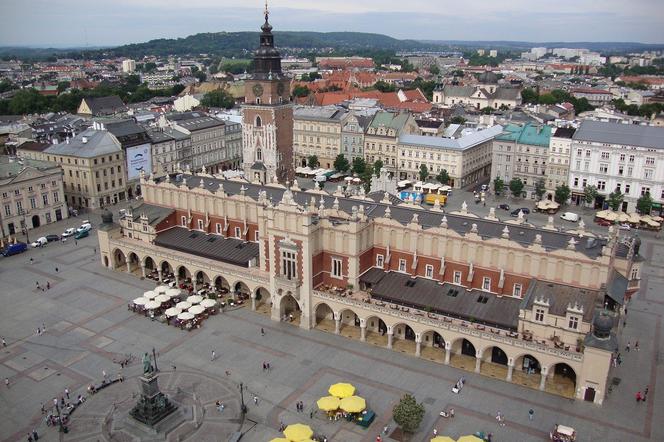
257	236
288	264
8	210
336	267
573	322
380	260
650	161
238	232
633	275
428	271
259	155
217	228
603	168
33	203
645	190
648	174
183	221
539	315
45	198
601	185
56	197
605	155
200	224
402	265
516	291
486	283
457	277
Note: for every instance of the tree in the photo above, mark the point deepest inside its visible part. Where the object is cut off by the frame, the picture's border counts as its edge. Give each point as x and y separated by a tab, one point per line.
487	110
301	91
359	165
590	193
424	172
529	95
384	86
312	162
644	204
200	75
341	164
615	199
498	185
218	98
63	86
540	190
562	194
366	177
457	120
408	414
434	69
516	187
443	177
377	165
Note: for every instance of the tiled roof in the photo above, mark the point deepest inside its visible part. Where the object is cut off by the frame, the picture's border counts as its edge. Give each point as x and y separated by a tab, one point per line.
155	214
534	135
560	296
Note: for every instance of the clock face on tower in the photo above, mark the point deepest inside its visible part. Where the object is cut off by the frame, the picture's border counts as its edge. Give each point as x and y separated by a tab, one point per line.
258	90
280	88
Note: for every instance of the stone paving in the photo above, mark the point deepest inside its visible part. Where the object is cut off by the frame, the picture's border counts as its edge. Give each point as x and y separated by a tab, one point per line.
88	326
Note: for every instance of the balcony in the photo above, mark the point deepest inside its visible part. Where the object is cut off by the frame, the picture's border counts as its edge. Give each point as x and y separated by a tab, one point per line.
288	285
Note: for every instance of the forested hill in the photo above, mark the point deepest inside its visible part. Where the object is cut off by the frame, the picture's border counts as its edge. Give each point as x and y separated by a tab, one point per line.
237	43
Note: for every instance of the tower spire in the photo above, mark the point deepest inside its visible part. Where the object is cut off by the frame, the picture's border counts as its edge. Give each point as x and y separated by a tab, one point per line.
267	11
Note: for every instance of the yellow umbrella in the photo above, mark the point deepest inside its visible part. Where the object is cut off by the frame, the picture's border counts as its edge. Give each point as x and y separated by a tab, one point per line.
469	438
442	439
342	390
279	439
353	404
298	432
328	403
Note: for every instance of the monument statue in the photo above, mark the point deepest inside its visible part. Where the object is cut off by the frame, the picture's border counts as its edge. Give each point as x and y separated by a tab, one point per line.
147	364
153	405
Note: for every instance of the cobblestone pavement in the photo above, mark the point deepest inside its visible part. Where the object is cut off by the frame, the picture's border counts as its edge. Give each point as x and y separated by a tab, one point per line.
88	326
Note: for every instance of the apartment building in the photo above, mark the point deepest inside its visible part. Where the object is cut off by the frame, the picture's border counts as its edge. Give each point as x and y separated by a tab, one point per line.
557	166
352	135
382	137
466	159
613	156
317	131
522	152
31	194
171	149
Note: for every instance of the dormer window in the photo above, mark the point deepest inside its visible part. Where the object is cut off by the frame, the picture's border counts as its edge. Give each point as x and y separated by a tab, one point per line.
539	315
573	322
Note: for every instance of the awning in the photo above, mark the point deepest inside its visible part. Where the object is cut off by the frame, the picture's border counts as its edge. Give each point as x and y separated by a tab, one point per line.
151	305
185	316
172	312
140	301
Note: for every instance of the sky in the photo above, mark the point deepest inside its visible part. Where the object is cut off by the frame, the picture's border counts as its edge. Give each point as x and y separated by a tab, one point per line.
81	23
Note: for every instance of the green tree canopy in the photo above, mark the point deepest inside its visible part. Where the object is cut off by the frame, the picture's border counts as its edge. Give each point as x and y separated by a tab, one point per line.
516	187
457	120
218	98
443	177
562	194
301	91
644	204
529	95
359	165
434	69
615	199
384	86
312	162
408	414
377	165
540	188
498	185
590	193
341	164
424	172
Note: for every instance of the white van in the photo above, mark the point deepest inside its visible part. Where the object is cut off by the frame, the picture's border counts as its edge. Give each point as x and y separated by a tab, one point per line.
570	216
320	178
40	242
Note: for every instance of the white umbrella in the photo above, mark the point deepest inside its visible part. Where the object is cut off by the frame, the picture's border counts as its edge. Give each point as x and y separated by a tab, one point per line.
162	298
207	303
196	310
185	316
151	305
140	301
195	299
173	293
611	216
183	305
172	312
161	289
149	295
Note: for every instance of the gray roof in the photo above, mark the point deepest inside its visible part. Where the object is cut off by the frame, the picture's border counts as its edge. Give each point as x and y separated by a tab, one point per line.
560	296
500	93
318	113
651	137
616	287
447	299
105	105
99	142
523	234
230	250
462	143
11	167
193	121
155	214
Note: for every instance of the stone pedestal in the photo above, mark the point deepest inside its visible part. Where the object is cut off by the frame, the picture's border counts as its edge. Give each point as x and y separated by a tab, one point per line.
152	406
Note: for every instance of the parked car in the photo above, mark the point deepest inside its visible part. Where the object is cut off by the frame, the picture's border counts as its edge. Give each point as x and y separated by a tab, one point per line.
39	242
82	234
604	222
504	206
525	211
484	188
69	232
85	227
51	238
14	249
570	216
625	226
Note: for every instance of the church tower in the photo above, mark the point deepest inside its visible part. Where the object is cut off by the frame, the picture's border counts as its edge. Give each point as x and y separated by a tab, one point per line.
267	116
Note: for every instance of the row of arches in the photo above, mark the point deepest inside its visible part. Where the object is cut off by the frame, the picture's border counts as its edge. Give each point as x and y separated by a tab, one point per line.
462	352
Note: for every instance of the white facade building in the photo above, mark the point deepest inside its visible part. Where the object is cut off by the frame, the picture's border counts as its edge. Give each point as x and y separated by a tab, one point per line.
614	156
128	66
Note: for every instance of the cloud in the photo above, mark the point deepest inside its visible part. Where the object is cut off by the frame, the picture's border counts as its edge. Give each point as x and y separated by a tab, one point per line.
105	22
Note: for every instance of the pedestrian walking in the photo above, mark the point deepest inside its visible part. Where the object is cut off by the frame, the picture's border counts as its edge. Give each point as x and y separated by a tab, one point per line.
311	414
627	347
7	382
43	409
48	285
268	366
67	392
451	412
386	429
645	393
638	397
379	439
75	242
4	343
262	332
35	436
44	327
213	355
255	399
636	346
56	270
30	437
264	366
37	282
103	374
39	332
531	412
435	432
32	261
